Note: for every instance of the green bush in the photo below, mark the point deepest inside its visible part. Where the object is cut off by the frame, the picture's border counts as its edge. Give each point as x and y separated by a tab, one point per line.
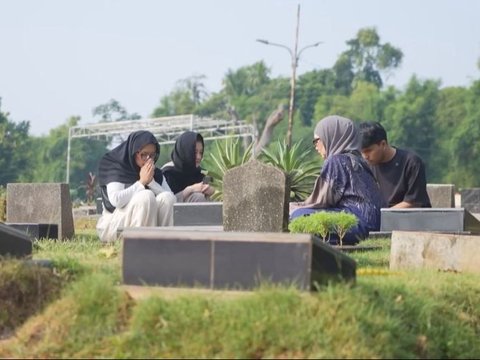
323	223
295	161
225	155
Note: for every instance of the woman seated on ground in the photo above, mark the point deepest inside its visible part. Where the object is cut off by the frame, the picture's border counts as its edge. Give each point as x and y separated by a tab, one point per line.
346	183
134	191
183	173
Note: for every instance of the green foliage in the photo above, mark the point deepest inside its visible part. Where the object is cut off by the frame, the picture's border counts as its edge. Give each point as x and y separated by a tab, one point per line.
113	111
367	57
225	155
14	149
295	161
343	223
323	223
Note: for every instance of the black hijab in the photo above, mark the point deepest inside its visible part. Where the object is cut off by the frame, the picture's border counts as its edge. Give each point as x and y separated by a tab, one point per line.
184	173
118	165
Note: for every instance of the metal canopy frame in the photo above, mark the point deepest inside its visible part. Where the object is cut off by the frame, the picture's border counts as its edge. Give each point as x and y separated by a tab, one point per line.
166	130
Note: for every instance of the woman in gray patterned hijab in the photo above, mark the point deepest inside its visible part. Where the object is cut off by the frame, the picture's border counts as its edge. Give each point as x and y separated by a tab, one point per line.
345	182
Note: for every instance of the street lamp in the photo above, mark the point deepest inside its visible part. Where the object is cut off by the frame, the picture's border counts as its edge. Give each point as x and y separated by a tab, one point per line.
295	55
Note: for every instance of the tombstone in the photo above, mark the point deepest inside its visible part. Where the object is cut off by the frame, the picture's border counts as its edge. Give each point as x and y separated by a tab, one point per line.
446	252
40	203
255	198
14	242
470	199
441	195
197	214
37	231
230	260
455	220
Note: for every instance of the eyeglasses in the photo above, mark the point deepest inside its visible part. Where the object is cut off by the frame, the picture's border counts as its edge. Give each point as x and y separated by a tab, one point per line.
315	141
145	156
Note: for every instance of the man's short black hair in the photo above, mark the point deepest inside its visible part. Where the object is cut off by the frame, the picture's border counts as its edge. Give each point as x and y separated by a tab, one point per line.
372	133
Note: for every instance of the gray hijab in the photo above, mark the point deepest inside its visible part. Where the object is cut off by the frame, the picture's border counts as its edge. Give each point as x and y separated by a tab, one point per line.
338	135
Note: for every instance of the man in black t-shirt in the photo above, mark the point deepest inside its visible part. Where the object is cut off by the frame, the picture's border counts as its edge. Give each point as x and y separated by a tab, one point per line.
400	173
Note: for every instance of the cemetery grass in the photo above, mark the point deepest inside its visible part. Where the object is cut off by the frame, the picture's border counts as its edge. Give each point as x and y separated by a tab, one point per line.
385	314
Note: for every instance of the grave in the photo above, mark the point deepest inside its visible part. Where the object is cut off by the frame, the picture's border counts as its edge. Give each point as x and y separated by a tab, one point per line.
470	199
441	195
445	252
229	260
14	242
197	214
37	231
452	220
41	203
255	198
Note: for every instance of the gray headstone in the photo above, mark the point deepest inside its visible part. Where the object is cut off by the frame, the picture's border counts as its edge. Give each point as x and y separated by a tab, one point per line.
449	252
39	203
197	214
441	195
37	231
229	260
255	198
470	199
455	220
14	242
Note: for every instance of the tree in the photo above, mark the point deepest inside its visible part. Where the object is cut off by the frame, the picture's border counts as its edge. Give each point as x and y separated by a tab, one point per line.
410	121
14	149
366	59
49	158
113	111
185	98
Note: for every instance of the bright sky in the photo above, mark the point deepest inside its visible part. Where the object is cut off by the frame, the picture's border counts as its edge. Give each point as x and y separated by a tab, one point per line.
61	58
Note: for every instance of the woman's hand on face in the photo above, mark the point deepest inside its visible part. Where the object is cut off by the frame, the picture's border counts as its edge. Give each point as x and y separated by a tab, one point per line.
146	172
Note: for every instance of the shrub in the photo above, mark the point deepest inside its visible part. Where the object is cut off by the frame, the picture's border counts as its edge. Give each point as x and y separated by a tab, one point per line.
323	223
295	161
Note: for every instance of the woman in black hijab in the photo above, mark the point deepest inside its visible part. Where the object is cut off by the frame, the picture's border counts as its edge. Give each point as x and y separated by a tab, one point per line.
134	191
183	173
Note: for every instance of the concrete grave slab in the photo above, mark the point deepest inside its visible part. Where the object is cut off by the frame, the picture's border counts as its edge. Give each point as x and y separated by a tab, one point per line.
37	231
448	252
39	203
453	220
441	195
197	214
470	199
255	198
229	260
14	242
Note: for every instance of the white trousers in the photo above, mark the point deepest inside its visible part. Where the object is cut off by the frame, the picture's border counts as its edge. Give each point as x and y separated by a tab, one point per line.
144	209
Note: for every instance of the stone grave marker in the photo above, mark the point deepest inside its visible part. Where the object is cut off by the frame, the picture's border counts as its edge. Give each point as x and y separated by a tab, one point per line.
197	214
456	220
446	252
230	260
255	198
14	242
441	195
41	203
470	199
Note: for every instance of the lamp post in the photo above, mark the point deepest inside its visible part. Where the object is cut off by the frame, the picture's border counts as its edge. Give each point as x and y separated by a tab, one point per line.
295	55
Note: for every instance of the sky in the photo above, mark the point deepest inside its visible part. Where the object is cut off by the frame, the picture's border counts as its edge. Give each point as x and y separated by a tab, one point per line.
62	58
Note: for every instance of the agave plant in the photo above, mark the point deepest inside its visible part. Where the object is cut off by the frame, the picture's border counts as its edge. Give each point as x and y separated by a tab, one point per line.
296	162
226	155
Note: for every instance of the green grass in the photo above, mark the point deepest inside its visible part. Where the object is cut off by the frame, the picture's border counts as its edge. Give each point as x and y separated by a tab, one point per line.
415	314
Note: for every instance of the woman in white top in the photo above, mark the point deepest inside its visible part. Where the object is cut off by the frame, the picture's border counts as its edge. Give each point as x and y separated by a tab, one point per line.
134	191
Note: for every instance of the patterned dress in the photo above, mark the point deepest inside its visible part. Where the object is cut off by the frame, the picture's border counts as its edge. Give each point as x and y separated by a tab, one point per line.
349	186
